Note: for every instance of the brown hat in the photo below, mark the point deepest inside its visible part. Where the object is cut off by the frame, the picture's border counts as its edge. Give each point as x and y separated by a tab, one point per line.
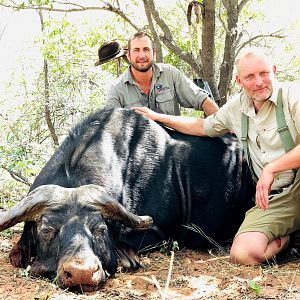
108	51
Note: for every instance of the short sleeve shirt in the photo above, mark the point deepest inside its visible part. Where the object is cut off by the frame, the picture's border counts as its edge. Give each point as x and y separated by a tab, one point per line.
264	142
170	89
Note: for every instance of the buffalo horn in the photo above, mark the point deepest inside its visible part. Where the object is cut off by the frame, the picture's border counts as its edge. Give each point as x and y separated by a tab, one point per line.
112	209
31	207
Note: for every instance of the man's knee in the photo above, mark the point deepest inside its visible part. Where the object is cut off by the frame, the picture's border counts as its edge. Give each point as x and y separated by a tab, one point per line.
249	248
246	256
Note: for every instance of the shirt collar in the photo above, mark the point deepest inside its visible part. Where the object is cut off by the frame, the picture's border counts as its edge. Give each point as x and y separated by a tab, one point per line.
157	70
127	76
275	93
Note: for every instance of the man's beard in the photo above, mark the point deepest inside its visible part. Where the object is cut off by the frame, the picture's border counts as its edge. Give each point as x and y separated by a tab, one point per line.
143	68
261	100
264	98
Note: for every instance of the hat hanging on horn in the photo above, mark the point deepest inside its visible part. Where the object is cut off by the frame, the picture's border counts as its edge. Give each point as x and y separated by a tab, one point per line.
109	51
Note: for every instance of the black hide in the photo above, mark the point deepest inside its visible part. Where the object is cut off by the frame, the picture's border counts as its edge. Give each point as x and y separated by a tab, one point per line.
174	178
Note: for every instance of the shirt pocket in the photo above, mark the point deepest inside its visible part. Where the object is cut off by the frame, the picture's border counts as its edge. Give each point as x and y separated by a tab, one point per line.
165	102
271	143
268	136
164	97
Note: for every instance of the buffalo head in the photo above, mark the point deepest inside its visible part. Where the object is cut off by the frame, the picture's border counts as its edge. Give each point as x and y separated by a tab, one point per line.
67	235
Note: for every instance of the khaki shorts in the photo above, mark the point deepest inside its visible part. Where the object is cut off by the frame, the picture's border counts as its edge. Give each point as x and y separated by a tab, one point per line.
281	218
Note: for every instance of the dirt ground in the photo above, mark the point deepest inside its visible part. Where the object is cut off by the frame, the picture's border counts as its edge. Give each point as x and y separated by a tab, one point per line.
183	275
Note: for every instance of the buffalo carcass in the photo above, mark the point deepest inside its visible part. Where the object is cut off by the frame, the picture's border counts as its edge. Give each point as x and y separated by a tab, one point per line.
92	202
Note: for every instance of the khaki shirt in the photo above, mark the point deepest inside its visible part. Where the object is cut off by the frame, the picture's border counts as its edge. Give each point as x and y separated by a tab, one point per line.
170	89
263	139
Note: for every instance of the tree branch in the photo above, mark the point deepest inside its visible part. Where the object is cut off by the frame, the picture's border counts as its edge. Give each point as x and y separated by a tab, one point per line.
47	92
222	21
226	4
167	39
277	34
16	175
242	5
74	8
159	54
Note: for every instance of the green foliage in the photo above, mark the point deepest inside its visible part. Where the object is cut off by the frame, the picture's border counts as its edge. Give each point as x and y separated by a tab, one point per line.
255	287
25	4
18	146
76	88
69	45
7	233
14	158
168	246
165	247
73	82
179	28
175	246
190	112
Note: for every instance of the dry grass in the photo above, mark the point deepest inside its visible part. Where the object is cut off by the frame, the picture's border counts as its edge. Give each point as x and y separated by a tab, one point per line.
183	275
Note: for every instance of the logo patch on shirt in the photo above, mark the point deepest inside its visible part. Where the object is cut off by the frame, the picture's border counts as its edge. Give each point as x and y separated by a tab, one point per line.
160	88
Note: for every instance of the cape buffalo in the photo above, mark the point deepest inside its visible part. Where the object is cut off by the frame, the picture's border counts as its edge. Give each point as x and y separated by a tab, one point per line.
119	184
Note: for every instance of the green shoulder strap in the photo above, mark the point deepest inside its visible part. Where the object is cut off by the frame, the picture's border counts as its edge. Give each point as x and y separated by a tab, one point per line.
244	135
282	128
244	139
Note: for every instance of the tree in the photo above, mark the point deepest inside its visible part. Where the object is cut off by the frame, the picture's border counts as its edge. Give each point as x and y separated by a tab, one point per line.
203	64
233	10
47	94
69	85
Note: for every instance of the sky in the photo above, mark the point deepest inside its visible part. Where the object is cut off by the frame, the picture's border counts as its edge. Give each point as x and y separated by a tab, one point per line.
19	30
280	12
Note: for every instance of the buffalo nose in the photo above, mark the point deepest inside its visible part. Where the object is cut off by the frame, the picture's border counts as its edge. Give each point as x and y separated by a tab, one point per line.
78	271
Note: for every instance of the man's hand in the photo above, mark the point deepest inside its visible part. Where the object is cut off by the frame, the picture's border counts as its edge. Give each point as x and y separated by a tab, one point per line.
263	187
183	124
147	112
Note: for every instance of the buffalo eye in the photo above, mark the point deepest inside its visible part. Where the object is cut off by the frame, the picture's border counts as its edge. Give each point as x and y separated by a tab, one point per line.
46	233
100	230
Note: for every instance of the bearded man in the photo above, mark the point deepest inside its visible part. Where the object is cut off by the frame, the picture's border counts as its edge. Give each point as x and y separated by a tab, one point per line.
254	115
160	87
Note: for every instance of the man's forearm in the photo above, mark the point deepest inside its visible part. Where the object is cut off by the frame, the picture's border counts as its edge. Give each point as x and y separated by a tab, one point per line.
288	161
188	125
209	106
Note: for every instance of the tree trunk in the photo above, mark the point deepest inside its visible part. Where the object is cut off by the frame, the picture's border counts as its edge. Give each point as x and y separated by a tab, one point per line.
47	110
226	69
207	54
233	9
159	53
167	39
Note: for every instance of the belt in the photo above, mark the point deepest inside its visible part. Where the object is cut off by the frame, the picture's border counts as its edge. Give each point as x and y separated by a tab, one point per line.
279	190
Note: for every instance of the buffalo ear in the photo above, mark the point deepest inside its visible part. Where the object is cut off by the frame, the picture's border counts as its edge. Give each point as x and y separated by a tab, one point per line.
25	249
16	256
111	209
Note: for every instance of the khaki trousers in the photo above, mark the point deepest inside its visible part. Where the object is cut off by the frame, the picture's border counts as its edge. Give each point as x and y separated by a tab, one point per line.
281	218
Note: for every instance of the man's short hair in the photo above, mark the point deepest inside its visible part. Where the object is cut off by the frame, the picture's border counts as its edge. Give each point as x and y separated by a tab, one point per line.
138	35
252	51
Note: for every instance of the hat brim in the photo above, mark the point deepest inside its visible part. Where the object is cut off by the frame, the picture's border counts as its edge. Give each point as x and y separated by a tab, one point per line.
102	61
